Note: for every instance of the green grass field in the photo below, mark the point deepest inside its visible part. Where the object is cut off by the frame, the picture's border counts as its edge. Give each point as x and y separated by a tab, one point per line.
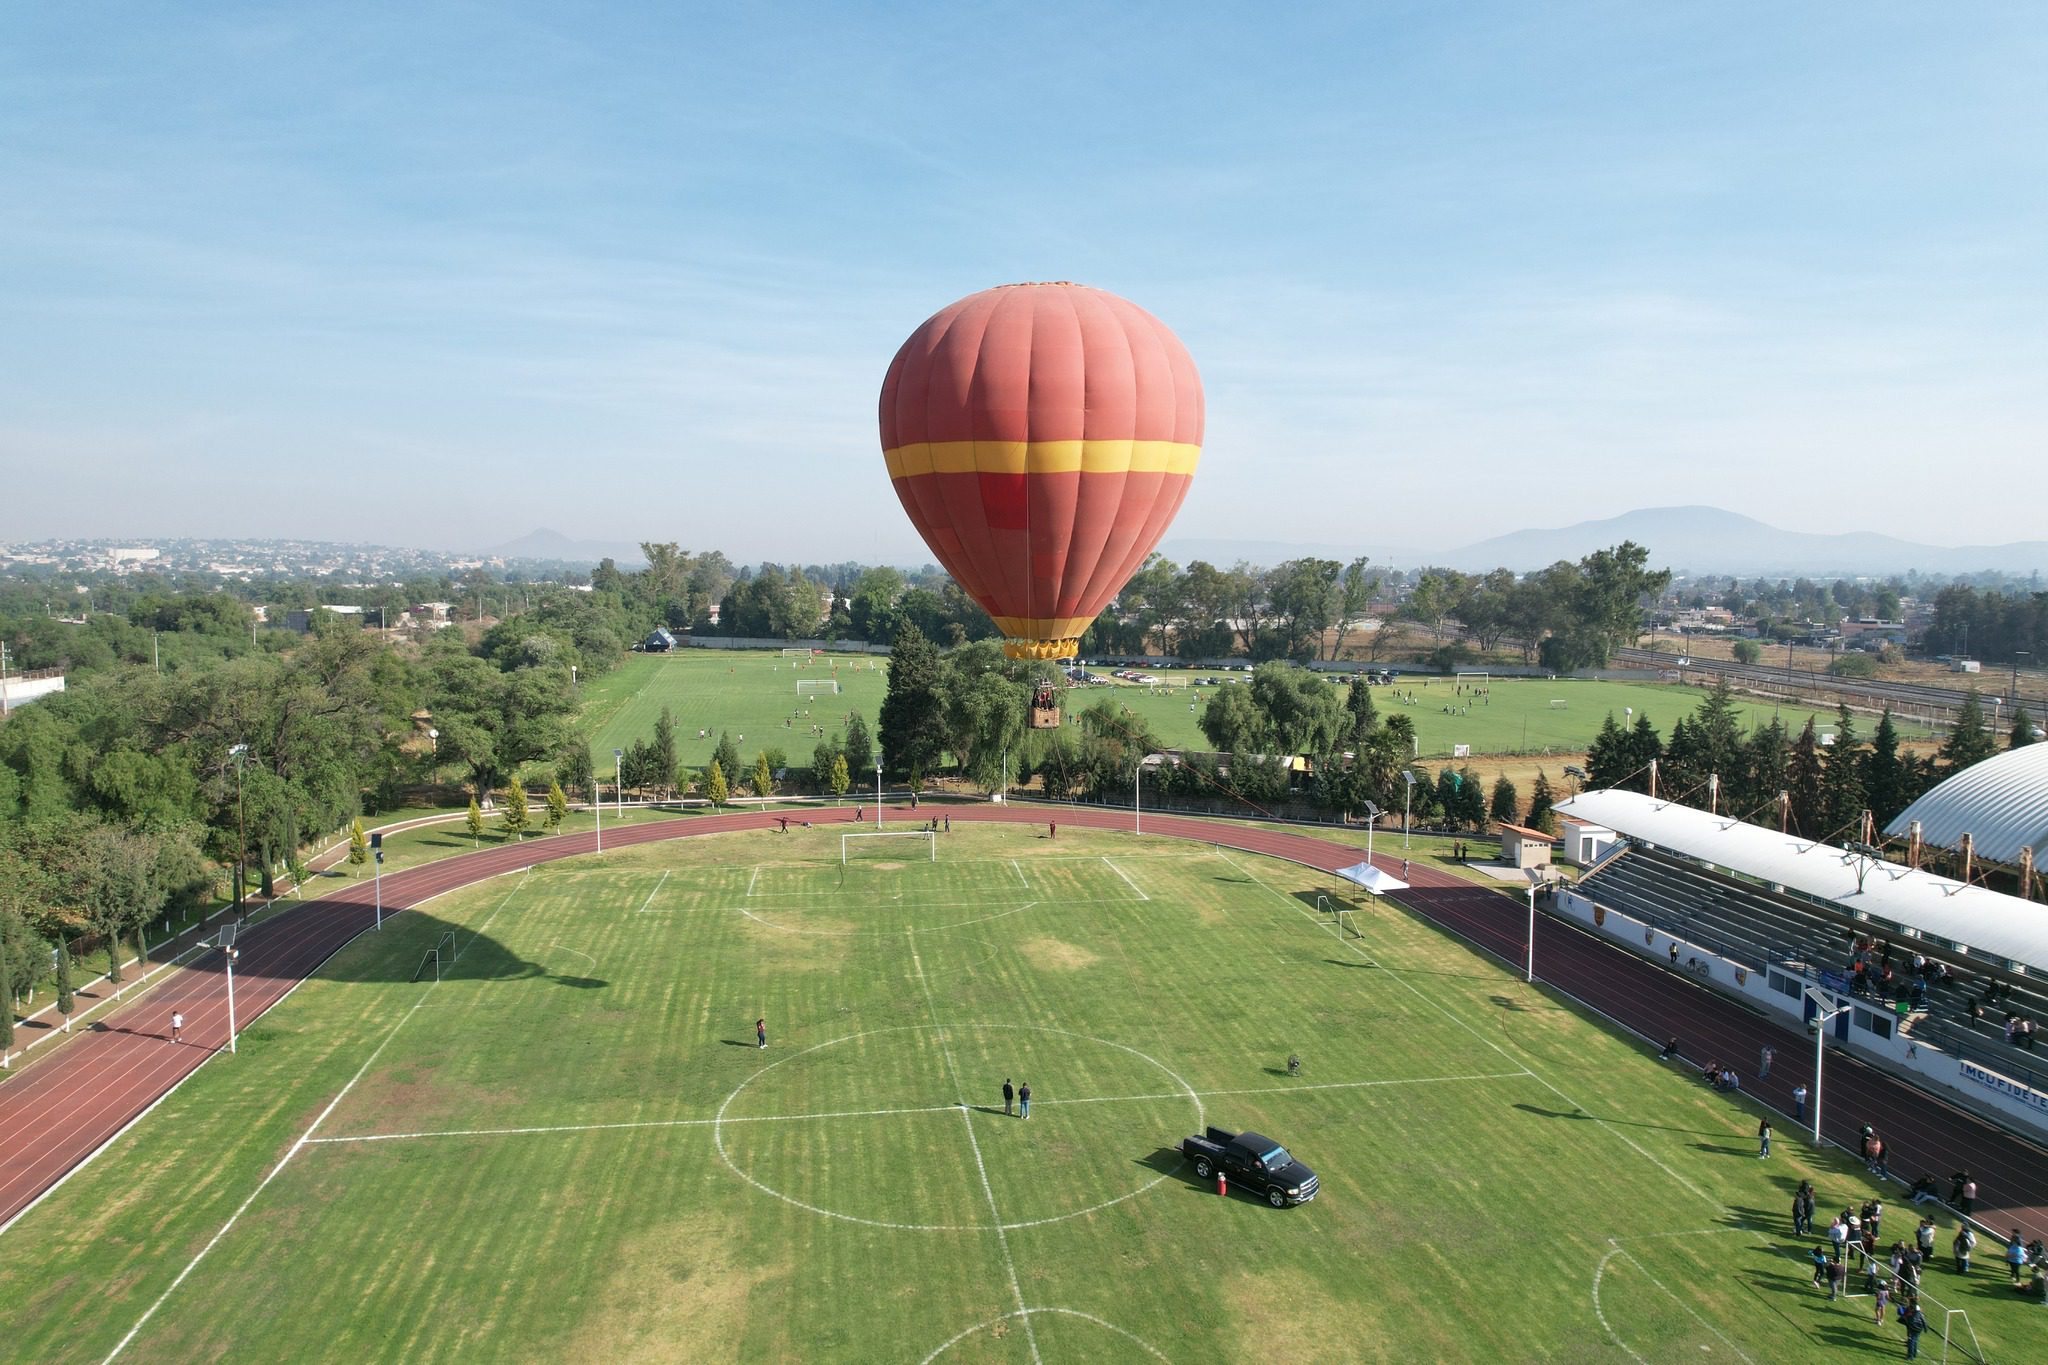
748	693
754	694
570	1146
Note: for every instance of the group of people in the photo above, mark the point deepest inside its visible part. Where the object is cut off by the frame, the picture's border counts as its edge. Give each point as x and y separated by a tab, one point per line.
1017	1099
1720	1077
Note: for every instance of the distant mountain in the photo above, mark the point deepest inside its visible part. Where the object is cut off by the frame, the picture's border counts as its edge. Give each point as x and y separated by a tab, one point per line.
1266	553
1709	540
546	544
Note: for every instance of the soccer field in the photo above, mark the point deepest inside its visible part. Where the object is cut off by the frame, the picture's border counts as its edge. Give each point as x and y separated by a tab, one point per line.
750	693
569	1146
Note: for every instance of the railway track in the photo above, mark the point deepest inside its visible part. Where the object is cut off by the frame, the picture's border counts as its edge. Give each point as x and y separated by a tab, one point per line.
1936	705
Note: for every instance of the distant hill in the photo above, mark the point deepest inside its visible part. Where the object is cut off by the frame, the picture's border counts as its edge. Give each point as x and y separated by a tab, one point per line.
1710	540
546	544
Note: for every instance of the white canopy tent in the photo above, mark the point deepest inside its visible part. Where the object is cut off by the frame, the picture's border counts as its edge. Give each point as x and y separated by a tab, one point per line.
1377	880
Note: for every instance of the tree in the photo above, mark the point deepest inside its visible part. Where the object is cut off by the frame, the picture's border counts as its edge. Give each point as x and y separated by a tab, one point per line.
1842	794
1748	652
1354	600
1541	801
661	756
727	756
841	779
1234	722
1607	759
913	729
764	780
475	821
1364	717
823	755
358	844
860	749
2022	728
557	807
1884	778
64	984
1803	782
1970	742
1506	808
518	815
714	786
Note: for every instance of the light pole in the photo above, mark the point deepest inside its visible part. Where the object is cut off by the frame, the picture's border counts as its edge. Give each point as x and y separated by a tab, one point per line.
240	753
597	809
377	872
1372	813
231	952
1529	970
2017	655
878	791
1137	815
619	778
1819	1025
1407	804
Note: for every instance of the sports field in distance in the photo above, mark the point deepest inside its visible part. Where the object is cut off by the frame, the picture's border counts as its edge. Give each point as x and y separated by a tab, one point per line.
569	1146
753	693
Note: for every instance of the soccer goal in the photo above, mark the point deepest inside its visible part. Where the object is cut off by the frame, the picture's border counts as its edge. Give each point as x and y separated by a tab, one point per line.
796	653
1557	704
847	845
811	687
436	959
1479	678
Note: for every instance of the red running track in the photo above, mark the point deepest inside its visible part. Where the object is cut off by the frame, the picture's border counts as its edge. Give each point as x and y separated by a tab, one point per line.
63	1111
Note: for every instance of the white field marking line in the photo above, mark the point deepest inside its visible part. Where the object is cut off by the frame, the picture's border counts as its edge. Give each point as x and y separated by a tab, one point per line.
638	1123
981	1167
1020	874
1440	1008
478	932
1744	1355
290	990
283	1161
751	880
1026	1313
1127	880
585	956
1601	1313
1291	1089
663	881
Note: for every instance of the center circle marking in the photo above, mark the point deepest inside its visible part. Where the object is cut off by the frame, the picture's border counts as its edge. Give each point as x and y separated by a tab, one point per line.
719	1122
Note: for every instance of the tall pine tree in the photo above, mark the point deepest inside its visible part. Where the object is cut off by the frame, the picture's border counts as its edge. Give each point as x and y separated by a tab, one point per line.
1842	795
913	728
1363	717
1764	770
1506	807
1541	800
1644	748
661	755
2022	729
1803	781
1884	779
1607	761
1970	742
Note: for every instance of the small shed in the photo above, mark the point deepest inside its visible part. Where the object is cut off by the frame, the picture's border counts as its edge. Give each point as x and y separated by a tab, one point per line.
1585	843
1523	847
660	641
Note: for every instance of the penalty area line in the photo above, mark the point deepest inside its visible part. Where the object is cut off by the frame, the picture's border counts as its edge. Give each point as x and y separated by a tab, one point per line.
1126	876
662	881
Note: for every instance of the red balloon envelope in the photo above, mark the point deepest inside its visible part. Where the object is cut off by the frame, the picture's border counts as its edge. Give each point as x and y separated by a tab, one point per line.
1041	437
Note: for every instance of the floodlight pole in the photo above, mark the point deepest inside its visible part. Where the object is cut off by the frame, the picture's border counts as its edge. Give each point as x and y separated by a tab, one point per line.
619	776
1821	1019
1137	815
1407	804
1529	970
377	880
878	791
231	952
240	753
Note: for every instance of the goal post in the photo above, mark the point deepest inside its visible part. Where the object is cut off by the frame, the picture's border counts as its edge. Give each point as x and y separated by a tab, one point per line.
1476	676
810	687
847	844
796	653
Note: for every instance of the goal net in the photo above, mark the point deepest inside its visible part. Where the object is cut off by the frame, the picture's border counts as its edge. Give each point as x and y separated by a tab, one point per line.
1480	678
796	653
811	687
436	959
853	847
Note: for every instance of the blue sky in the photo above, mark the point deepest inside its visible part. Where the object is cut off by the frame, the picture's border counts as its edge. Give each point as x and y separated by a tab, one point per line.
437	274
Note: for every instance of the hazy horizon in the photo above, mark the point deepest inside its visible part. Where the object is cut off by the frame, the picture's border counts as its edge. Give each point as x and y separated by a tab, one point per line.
438	278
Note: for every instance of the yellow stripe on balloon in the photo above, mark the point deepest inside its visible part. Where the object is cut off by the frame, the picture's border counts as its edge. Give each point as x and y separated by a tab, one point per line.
1042	628
1043	457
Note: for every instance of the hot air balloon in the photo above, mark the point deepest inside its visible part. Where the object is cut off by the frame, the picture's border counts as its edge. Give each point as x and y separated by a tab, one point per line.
1041	437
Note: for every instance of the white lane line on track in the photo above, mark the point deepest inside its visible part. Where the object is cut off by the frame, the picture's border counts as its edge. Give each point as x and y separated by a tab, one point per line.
981	1167
263	1185
1440	1008
657	891
1127	882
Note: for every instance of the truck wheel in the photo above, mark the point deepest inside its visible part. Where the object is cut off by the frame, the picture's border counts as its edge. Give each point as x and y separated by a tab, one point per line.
1277	1198
1203	1170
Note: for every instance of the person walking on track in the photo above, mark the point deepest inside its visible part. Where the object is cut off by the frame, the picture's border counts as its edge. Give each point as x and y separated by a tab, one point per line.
1769	1055
177	1025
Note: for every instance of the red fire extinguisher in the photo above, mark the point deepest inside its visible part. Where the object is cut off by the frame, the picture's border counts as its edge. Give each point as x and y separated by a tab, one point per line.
1222	1183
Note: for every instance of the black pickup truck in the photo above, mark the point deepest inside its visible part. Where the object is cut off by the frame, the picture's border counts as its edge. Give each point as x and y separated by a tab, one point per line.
1258	1163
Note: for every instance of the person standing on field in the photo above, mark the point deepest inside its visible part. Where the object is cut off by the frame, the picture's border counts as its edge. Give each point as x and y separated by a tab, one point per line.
1009	1096
1024	1101
1916	1323
761	1032
1964	1244
1763	1140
